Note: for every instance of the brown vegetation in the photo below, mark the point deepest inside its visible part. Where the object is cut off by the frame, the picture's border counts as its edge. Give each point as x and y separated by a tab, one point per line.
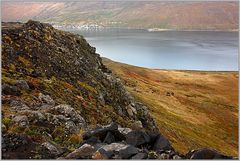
193	109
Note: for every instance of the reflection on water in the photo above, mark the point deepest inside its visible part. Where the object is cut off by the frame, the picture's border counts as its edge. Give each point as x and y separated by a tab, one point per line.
190	50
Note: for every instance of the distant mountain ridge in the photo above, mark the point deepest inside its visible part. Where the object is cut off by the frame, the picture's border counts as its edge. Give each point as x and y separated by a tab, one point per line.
147	15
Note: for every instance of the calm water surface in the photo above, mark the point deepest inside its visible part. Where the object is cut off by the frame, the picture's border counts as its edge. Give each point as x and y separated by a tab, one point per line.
190	50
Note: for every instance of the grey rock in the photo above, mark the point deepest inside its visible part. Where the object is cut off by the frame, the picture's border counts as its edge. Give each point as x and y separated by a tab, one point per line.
22	121
52	149
98	145
128	152
84	152
34	116
139	156
100	132
56	119
22	84
71	128
69	112
123	151
161	143
10	90
18	105
115	147
137	138
61	118
46	99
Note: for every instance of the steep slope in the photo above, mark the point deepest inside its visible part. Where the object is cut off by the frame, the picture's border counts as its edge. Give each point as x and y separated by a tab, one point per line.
192	108
171	15
54	86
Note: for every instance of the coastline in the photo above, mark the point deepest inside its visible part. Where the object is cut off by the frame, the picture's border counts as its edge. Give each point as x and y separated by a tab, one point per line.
190	30
94	27
177	70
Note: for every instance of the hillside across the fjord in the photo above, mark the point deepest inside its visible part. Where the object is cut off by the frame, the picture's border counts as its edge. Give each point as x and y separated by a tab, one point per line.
153	15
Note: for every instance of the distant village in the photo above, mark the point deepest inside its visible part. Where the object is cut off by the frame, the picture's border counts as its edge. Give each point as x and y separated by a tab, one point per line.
79	27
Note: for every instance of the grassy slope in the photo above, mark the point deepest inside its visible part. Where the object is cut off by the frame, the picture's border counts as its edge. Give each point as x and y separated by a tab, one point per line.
203	112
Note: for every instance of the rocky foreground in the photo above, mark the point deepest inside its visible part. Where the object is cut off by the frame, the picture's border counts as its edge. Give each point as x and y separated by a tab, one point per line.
57	94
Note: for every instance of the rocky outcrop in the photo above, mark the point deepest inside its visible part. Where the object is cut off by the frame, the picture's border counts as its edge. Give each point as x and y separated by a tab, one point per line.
55	86
38	51
134	145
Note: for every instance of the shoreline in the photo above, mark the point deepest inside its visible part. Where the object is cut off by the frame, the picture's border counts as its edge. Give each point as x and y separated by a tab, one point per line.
149	29
179	70
195	30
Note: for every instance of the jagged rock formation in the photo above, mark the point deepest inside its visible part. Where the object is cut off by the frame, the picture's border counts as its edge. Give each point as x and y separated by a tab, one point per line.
55	89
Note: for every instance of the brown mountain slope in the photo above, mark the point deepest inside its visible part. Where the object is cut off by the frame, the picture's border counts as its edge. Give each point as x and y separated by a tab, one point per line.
193	109
173	15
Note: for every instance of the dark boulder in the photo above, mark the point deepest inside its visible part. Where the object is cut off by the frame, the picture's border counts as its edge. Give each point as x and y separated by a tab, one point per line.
84	152
137	138
10	90
140	156
100	132
206	153
92	141
127	152
109	138
153	137
161	143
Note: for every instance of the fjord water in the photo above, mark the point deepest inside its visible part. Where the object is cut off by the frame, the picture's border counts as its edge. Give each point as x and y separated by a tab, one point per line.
181	50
